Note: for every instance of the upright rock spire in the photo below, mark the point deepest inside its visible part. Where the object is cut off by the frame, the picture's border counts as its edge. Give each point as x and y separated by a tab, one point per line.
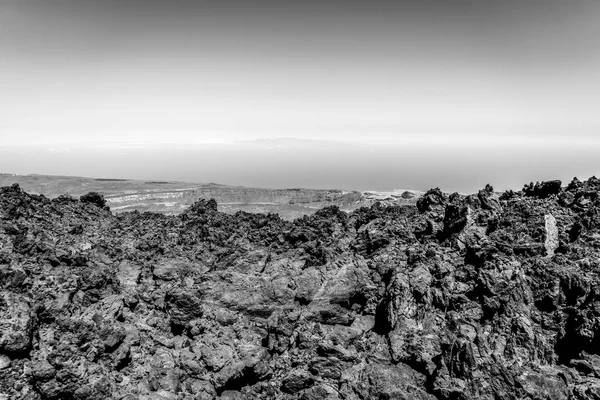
551	242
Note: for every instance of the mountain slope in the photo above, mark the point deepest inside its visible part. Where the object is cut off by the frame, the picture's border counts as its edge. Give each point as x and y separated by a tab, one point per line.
171	198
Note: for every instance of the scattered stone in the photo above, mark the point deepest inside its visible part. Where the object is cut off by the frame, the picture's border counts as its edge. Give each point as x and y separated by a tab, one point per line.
486	296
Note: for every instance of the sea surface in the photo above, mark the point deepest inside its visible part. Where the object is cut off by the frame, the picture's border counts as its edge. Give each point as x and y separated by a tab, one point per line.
451	164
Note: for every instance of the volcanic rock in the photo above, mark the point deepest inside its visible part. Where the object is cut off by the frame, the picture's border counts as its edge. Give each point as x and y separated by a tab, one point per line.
486	296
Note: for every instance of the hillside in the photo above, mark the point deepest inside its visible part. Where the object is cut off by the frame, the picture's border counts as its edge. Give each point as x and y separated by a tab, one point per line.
171	198
487	296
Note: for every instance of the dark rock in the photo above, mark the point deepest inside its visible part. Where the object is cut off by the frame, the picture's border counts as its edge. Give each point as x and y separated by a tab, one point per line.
182	307
486	197
296	381
432	198
94	198
319	392
485	296
202	206
543	189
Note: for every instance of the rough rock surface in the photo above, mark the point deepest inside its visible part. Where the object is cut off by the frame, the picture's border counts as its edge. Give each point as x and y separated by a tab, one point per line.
459	297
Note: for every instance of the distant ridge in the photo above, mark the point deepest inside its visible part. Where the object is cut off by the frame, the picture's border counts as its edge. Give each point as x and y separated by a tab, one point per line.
174	197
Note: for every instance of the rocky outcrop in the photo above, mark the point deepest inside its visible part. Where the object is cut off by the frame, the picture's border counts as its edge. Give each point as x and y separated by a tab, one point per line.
487	296
542	189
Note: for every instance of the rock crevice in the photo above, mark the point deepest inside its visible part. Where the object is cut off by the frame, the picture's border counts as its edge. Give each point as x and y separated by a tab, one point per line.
486	296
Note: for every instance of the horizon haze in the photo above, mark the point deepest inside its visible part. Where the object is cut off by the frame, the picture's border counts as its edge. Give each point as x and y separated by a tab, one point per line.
375	95
464	166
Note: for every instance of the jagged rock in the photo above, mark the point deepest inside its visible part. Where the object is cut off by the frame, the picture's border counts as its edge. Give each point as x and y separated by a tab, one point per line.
216	356
182	307
551	243
543	189
296	381
487	199
483	296
94	198
202	206
432	198
16	324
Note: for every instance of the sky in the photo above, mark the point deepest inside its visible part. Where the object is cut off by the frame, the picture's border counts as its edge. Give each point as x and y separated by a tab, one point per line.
445	80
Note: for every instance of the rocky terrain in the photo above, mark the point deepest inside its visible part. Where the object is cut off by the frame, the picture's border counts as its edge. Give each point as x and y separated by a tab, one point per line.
487	296
172	198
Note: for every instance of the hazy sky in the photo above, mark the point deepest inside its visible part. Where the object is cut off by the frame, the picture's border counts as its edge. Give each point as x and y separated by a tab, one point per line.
362	71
